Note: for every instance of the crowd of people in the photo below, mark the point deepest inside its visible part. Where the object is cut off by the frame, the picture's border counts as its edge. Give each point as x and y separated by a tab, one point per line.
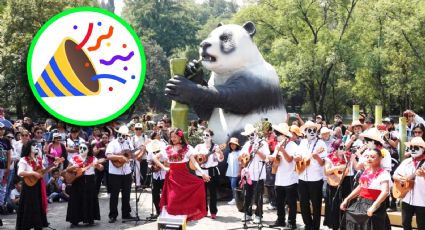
352	168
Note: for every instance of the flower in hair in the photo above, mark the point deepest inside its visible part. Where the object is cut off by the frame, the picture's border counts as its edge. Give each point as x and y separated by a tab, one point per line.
382	152
180	133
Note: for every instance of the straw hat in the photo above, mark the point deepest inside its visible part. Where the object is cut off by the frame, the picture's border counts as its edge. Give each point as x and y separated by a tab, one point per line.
354	124
123	130
282	128
324	130
154	146
295	129
249	128
372	133
416	141
234	140
310	124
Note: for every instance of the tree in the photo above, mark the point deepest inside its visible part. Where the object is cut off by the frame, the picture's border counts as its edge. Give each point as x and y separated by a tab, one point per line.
21	19
167	22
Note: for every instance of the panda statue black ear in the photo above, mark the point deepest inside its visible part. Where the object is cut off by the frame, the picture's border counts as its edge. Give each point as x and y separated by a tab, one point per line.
250	28
219	24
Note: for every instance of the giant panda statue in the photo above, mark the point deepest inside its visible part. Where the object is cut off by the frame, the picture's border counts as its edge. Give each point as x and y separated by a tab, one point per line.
243	87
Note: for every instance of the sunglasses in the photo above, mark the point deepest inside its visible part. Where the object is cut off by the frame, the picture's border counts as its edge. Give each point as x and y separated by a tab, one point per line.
138	129
367	139
156	152
414	148
311	130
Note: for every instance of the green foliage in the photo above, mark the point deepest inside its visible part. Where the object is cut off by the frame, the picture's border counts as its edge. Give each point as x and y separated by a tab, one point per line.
21	19
331	54
167	22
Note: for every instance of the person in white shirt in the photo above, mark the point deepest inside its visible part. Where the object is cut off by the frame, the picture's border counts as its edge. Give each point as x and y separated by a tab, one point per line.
310	181
138	141
213	155
353	142
233	169
83	204
73	141
154	148
119	178
413	168
286	182
254	171
372	139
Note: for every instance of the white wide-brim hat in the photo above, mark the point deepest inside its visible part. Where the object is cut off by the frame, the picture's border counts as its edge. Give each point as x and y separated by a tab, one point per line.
310	124
153	146
282	128
123	130
416	141
372	133
249	128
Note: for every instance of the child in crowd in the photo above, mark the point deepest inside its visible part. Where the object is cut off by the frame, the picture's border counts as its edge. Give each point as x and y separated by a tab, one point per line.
233	171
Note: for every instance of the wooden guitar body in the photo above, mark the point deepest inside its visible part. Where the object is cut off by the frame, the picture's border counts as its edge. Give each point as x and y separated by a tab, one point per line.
32	180
401	188
275	163
335	178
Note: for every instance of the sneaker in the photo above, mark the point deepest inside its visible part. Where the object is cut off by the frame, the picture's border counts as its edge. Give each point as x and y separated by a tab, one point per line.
256	220
271	207
213	216
277	224
291	226
232	202
248	218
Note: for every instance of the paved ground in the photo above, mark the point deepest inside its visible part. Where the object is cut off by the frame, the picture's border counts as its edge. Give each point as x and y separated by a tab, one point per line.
228	217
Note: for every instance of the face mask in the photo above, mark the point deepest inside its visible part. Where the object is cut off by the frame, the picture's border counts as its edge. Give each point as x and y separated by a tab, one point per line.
83	150
35	149
206	138
281	138
417	152
371	144
311	134
252	137
121	138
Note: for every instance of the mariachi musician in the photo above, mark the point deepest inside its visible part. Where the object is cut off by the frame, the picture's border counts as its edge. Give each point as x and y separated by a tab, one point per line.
119	177
286	182
413	169
157	148
213	155
310	161
254	173
340	173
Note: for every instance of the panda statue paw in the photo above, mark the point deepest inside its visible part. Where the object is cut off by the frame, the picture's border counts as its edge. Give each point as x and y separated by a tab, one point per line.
182	90
194	72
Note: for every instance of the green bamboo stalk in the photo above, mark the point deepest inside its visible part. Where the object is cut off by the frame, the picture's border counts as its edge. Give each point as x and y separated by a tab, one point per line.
356	111
403	135
378	114
179	111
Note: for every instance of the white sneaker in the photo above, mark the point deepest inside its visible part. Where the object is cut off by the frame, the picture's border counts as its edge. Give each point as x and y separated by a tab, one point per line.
232	202
257	220
271	207
248	218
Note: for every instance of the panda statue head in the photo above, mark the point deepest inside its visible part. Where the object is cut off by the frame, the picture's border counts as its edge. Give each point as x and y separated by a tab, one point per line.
229	48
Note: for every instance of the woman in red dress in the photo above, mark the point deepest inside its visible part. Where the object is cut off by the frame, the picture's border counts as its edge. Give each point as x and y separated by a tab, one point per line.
183	192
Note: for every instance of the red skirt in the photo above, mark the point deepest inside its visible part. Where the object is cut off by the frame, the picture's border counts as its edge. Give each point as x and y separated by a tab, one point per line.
183	193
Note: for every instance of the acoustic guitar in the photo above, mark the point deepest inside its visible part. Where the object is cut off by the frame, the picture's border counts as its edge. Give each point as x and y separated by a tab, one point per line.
301	165
338	173
276	159
32	180
71	175
245	158
402	187
156	168
128	154
203	158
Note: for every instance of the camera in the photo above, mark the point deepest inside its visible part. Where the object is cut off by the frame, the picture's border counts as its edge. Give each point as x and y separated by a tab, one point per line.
292	114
